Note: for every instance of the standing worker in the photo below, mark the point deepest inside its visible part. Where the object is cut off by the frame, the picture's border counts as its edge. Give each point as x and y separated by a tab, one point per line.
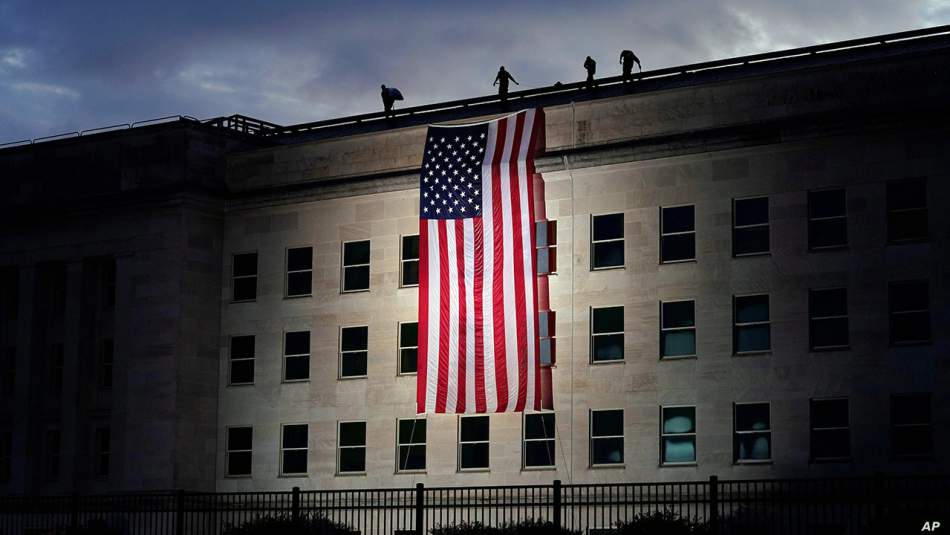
627	59
390	95
591	67
502	82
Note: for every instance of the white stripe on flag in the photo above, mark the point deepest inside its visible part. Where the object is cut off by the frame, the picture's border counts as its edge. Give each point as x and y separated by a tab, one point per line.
469	260
432	354
528	254
488	263
510	309
451	395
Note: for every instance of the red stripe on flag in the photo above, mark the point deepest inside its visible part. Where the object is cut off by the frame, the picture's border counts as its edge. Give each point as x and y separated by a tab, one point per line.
498	290
536	135
463	353
514	185
479	328
423	325
444	319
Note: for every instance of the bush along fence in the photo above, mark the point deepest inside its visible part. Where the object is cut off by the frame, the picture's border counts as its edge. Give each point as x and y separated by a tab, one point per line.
854	505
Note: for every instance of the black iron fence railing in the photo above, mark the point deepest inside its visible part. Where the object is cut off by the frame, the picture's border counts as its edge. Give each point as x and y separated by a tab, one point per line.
855	505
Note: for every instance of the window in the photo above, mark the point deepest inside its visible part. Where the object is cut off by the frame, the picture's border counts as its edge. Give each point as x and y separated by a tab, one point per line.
606	437
751	332
9	292
911	425
830	433
677	234
56	361
103	451
473	443
107	287
547	339
299	271
409	261
752	438
297	356
909	303
539	439
293	450
239	446
677	435
52	444
677	329
242	360
244	276
606	334
106	362
353	351
827	219
606	241
411	445
828	319
907	210
351	449
750	226
8	380
6	456
356	266
408	347
546	246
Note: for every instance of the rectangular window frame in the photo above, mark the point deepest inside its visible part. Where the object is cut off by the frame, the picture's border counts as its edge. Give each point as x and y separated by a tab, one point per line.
283	373
6	456
400	444
344	266
735	433
592	438
736	325
461	444
232	360
343	354
895	426
102	456
593	242
767	225
524	440
52	457
664	234
403	261
889	211
812	319
8	364
623	348
283	450
663	330
288	272
340	447
891	313
663	435
813	430
105	377
236	277
811	219
228	450
400	347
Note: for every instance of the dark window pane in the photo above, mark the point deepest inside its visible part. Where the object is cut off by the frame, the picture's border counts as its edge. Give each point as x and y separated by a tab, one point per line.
910	295
607	320
300	283
409	334
752	211
678	314
608	227
750	240
299	258
539	453
353	433
607	451
608	347
829	333
474	428
413	431
679	449
353	365
242	347
910	409
410	273
353	460
412	457
295	436
239	463
679	420
245	289
913	441
608	254
828	203
752	308
356	278
297	368
753	338
829	413
753	417
239	438
606	423
907	226
295	462
245	264
408	360
539	425
297	343
354	338
678	343
242	371
907	193
831	443
828	233
474	456
910	327
832	302
753	447
410	247
679	219
356	253
678	247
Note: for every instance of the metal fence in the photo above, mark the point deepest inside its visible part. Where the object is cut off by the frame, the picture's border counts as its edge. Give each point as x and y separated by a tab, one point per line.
830	506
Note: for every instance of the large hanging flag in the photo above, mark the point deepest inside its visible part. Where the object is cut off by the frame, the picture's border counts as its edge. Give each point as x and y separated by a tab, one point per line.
478	298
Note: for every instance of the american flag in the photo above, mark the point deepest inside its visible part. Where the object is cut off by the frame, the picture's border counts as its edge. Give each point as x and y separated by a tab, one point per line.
478	299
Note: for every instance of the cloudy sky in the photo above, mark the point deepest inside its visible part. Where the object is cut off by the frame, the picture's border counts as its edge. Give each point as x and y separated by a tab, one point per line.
76	65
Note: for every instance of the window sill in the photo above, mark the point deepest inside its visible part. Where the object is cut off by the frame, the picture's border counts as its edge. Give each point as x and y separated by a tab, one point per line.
240	384
406	374
294	476
684	261
679	465
829	248
680	357
238	476
359	291
908	241
911	343
350	474
473	470
753	463
235	301
606	362
551	468
298	296
925	458
351	377
607	466
295	381
607	268
408	472
408	286
749	255
829	349
830	460
764	352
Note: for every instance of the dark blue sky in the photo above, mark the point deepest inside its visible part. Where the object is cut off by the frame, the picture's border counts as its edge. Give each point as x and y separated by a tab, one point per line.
82	64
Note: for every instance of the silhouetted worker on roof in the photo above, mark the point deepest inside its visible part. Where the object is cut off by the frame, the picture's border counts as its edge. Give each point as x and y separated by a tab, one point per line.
591	67
627	59
502	82
390	95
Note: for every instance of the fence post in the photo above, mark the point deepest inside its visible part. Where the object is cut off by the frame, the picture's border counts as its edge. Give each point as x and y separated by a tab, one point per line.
557	504
180	512
714	504
295	504
420	511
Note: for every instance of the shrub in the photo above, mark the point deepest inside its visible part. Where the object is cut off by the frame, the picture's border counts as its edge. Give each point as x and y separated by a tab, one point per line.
285	525
525	527
662	523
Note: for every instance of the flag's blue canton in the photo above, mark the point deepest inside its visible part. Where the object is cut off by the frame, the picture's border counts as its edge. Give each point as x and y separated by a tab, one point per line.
450	185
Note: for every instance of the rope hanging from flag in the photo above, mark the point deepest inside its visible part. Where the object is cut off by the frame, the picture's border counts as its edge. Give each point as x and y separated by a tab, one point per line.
478	294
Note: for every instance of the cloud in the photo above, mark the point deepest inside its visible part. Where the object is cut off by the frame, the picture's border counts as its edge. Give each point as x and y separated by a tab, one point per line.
37	88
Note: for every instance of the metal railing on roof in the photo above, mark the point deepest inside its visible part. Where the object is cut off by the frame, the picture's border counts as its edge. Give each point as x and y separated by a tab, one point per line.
100	130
